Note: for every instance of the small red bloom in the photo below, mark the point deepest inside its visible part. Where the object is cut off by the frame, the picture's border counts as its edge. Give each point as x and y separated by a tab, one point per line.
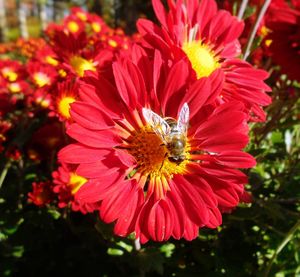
4	128
41	194
73	25
76	56
11	70
46	141
42	75
65	94
67	183
284	23
47	56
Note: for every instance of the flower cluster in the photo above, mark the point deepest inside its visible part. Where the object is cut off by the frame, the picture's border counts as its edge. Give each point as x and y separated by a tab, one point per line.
156	122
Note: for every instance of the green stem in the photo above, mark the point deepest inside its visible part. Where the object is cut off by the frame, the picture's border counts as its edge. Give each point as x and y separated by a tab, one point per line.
4	173
242	9
255	28
284	242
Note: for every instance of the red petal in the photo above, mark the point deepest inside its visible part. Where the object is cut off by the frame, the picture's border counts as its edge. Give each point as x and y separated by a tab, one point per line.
99	139
89	116
236	159
97	189
192	200
125	85
160	12
79	153
113	206
125	223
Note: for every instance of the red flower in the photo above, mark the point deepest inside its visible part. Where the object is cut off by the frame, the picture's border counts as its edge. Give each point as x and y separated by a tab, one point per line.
11	70
284	23
46	141
67	183
76	56
6	105
73	25
129	167
208	38
5	126
65	94
47	56
80	13
41	194
42	75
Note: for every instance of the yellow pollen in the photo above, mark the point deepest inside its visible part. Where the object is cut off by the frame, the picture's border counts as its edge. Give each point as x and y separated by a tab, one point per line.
151	155
80	65
14	87
201	57
264	31
76	181
41	79
112	43
51	60
268	42
9	74
64	106
73	27
44	103
62	73
96	27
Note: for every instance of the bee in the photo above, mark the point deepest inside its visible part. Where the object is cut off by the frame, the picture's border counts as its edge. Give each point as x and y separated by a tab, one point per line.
172	133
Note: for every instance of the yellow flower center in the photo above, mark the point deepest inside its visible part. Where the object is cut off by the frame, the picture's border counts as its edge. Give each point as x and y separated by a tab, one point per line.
51	60
202	58
80	65
73	26
64	106
112	43
9	74
62	73
154	166
14	87
96	27
41	79
81	16
44	103
76	181
153	162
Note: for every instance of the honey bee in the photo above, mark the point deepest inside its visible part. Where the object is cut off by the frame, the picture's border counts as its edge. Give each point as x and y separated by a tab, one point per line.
172	133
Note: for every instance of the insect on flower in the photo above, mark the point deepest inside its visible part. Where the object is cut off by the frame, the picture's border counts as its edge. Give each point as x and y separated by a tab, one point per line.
173	133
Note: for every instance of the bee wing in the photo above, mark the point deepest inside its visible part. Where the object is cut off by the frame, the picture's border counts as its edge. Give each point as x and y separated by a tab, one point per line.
183	119
157	123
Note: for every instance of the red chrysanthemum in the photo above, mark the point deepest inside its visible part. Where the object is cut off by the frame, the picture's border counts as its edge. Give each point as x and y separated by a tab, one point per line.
76	55
67	183
41	194
208	38
42	75
284	23
128	166
11	70
5	126
73	25
47	56
64	94
46	141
